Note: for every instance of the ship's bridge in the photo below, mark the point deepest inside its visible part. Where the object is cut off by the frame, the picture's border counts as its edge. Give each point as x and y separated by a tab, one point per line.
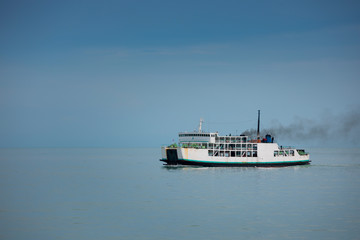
197	137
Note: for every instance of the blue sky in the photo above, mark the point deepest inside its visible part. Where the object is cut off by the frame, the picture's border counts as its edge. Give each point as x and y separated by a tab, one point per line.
135	73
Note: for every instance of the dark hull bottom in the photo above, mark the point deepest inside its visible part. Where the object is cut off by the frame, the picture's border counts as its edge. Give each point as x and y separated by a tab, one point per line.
208	164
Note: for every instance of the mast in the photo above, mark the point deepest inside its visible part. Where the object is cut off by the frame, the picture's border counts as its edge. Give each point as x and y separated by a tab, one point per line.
200	124
258	127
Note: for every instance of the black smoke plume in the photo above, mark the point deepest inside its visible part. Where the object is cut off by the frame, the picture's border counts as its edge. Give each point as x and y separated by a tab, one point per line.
329	127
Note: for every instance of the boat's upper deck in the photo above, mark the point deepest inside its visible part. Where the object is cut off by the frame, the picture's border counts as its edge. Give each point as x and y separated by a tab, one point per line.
197	137
202	137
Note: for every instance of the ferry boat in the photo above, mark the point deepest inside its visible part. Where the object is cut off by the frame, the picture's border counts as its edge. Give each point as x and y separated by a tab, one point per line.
211	149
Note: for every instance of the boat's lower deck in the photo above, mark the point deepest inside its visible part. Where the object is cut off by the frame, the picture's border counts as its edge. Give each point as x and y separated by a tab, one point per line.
266	157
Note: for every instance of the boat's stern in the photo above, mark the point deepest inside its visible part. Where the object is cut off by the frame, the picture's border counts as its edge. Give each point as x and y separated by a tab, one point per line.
169	155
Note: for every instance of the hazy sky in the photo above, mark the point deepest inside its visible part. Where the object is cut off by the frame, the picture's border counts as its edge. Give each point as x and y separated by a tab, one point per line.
135	73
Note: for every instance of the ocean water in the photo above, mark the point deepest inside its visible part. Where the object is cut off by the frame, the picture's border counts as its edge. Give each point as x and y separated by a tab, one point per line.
128	194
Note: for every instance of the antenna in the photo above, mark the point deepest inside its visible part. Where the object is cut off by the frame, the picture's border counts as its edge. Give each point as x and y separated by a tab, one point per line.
200	124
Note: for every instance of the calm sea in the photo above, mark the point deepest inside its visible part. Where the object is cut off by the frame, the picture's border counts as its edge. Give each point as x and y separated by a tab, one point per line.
128	194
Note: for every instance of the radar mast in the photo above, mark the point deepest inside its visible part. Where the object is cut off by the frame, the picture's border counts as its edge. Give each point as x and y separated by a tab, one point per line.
200	125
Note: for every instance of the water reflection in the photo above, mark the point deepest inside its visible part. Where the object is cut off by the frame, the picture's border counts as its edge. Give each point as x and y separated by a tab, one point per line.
183	167
239	168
